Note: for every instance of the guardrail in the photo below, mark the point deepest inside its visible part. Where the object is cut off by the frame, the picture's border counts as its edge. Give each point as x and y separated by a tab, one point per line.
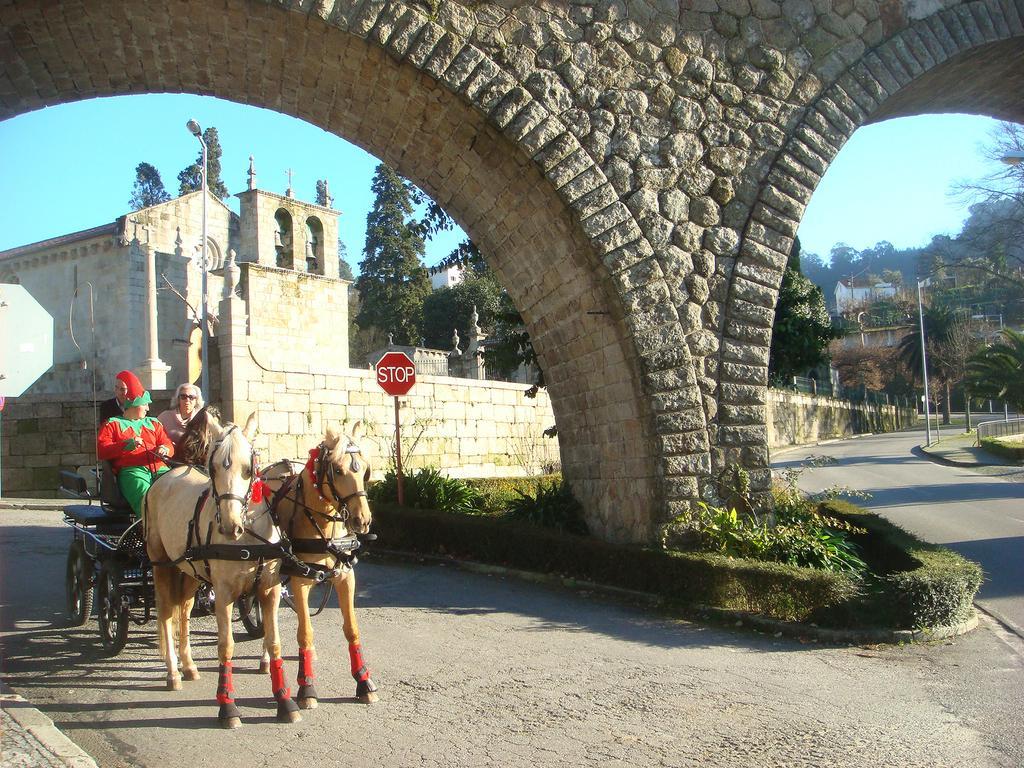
1000	428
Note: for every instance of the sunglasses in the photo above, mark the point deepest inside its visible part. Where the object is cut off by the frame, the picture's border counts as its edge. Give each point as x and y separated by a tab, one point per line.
186	397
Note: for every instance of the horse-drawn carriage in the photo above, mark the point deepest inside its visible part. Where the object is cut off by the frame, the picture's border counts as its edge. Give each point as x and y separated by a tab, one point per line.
225	529
107	565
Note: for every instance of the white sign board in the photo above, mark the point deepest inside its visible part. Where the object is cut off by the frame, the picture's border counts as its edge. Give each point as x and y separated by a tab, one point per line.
26	340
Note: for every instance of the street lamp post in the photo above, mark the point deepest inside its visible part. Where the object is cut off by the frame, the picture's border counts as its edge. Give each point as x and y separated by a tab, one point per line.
924	370
196	131
1010	158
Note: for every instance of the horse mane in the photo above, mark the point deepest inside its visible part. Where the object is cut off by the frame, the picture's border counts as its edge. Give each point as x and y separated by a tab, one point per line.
194	445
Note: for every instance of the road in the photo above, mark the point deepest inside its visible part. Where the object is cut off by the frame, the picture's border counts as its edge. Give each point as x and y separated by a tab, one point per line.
978	513
479	670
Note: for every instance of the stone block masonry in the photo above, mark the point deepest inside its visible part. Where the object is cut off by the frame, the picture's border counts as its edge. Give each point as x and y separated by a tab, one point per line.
634	170
464	428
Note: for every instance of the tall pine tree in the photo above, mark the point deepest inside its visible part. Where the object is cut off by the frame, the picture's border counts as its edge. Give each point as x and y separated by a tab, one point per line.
392	280
191	179
148	189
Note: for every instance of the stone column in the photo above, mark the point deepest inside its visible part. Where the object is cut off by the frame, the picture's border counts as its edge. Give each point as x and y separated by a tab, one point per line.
153	370
237	369
474	353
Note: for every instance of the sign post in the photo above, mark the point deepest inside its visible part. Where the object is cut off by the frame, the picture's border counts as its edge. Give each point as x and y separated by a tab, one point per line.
396	375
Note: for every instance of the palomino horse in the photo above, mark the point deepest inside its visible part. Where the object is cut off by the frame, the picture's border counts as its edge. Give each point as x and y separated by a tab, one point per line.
210	528
320	509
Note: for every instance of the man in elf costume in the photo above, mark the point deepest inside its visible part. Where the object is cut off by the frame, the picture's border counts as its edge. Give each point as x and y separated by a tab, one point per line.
134	443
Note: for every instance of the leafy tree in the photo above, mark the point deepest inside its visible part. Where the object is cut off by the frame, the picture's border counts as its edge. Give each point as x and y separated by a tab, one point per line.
943	331
392	280
803	328
344	268
867	367
991	244
450	308
997	371
191	178
148	188
509	345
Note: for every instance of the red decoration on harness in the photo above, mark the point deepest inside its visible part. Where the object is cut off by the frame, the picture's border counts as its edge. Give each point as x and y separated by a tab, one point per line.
305	676
225	685
259	490
314	454
277	680
359	669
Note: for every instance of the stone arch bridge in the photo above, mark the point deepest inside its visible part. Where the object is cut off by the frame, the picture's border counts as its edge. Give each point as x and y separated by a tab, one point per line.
635	170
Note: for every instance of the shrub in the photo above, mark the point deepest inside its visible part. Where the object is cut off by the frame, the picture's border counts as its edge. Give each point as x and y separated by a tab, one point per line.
429	489
917	584
1012	449
553	506
498	493
799	536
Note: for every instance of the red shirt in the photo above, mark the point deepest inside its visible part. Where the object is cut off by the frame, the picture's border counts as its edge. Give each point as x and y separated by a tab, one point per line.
148	433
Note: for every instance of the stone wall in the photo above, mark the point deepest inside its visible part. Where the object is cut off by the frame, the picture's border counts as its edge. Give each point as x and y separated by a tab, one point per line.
468	428
795	418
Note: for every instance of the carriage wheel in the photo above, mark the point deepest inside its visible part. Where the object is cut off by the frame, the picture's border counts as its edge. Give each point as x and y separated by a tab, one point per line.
113	611
251	613
78	584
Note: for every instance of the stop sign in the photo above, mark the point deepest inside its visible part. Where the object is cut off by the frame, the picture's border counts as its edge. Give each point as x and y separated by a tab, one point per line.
26	340
396	373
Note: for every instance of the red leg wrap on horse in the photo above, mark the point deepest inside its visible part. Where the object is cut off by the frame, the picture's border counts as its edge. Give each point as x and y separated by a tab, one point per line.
225	685
277	680
359	669
305	667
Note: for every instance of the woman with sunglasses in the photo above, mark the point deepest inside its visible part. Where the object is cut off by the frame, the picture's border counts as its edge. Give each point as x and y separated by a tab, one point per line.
185	404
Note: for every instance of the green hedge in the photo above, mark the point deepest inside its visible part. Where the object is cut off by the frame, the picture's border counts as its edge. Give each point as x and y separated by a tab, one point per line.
937	591
916	584
1009	449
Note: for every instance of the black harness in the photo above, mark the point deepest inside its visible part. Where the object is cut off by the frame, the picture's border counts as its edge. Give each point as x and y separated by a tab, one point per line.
197	549
341	548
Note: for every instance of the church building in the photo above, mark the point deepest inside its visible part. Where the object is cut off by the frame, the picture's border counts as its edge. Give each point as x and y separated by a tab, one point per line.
127	294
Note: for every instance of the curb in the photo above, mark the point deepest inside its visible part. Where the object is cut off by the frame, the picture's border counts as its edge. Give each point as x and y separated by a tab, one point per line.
40	728
940	459
721	615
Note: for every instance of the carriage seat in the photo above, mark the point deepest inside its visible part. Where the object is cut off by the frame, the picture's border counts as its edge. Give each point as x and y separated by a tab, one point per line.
110	492
105	520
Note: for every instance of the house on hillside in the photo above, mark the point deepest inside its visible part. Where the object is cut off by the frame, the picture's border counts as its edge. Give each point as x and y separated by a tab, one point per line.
856	292
279	254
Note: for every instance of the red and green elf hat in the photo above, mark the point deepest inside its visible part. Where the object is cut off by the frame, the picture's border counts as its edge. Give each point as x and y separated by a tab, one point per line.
136	394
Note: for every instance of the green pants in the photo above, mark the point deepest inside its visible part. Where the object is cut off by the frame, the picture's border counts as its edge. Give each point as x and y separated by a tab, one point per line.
134	482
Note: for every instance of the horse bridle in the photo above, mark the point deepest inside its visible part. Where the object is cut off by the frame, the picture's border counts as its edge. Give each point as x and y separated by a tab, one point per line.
244	500
325	471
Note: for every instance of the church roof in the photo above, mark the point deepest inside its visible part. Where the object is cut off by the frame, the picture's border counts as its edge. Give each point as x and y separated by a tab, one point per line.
115	228
85	234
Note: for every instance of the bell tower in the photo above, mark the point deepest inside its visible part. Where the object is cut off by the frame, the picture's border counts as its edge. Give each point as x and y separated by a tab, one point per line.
281	231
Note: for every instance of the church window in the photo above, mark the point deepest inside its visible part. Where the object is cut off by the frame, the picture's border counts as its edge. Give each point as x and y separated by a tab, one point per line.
283	239
314	246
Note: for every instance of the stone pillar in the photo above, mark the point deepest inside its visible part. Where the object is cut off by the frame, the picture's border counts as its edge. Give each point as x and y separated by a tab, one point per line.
474	352
153	370
236	366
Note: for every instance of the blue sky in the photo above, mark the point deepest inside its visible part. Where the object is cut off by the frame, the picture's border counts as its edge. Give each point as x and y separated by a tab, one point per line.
72	167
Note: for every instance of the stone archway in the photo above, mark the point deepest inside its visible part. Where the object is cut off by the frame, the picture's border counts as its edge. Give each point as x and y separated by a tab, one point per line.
969	58
634	170
494	157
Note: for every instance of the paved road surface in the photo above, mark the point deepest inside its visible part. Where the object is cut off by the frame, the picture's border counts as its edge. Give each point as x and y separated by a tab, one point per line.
485	671
978	513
